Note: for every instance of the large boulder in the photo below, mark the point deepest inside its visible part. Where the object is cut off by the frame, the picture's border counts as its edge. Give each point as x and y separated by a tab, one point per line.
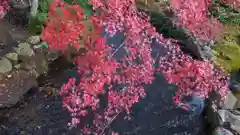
224	114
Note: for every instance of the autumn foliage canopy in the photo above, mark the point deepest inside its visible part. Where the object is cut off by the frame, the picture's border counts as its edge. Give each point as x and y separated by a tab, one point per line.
110	85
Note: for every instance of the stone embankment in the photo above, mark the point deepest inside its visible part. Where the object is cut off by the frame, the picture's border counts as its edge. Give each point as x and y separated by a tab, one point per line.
20	69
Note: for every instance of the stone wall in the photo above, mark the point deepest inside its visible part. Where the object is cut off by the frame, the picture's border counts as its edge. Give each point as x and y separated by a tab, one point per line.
20	69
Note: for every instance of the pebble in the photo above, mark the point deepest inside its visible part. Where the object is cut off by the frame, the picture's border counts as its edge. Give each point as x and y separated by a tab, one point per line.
34	40
24	49
9	76
12	56
5	66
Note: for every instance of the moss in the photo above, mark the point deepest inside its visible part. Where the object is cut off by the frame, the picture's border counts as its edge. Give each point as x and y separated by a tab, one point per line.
227	49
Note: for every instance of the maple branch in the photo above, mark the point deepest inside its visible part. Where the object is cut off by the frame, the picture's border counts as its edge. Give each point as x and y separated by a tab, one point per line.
116	50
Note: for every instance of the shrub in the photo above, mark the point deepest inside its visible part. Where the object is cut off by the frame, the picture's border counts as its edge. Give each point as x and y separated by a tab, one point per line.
233	3
227	50
37	23
225	13
193	15
4	6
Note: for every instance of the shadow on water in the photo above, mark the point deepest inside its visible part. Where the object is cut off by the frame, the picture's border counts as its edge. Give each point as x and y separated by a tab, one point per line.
157	115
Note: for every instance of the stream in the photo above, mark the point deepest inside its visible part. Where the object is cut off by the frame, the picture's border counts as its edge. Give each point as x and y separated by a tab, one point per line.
41	112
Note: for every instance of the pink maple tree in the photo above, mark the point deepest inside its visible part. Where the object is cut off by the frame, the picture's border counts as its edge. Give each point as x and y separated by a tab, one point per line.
4	6
109	85
193	15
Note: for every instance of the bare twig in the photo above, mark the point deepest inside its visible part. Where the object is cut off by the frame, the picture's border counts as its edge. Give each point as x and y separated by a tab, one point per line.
116	50
107	125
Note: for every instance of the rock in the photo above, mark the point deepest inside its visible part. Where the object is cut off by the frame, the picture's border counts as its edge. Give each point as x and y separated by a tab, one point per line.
35	73
38	63
231	117
234	86
24	45
12	56
206	52
53	55
24	49
225	114
211	111
12	89
234	82
195	105
200	49
5	66
17	66
222	131
34	40
231	102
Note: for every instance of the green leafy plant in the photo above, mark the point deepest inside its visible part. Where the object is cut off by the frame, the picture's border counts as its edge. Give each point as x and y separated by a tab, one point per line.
36	24
225	13
227	50
83	4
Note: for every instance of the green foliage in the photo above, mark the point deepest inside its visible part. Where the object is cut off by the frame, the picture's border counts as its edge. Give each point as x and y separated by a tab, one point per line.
227	50
225	13
83	4
36	24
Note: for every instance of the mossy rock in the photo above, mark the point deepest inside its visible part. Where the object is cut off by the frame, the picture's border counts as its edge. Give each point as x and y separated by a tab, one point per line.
227	49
